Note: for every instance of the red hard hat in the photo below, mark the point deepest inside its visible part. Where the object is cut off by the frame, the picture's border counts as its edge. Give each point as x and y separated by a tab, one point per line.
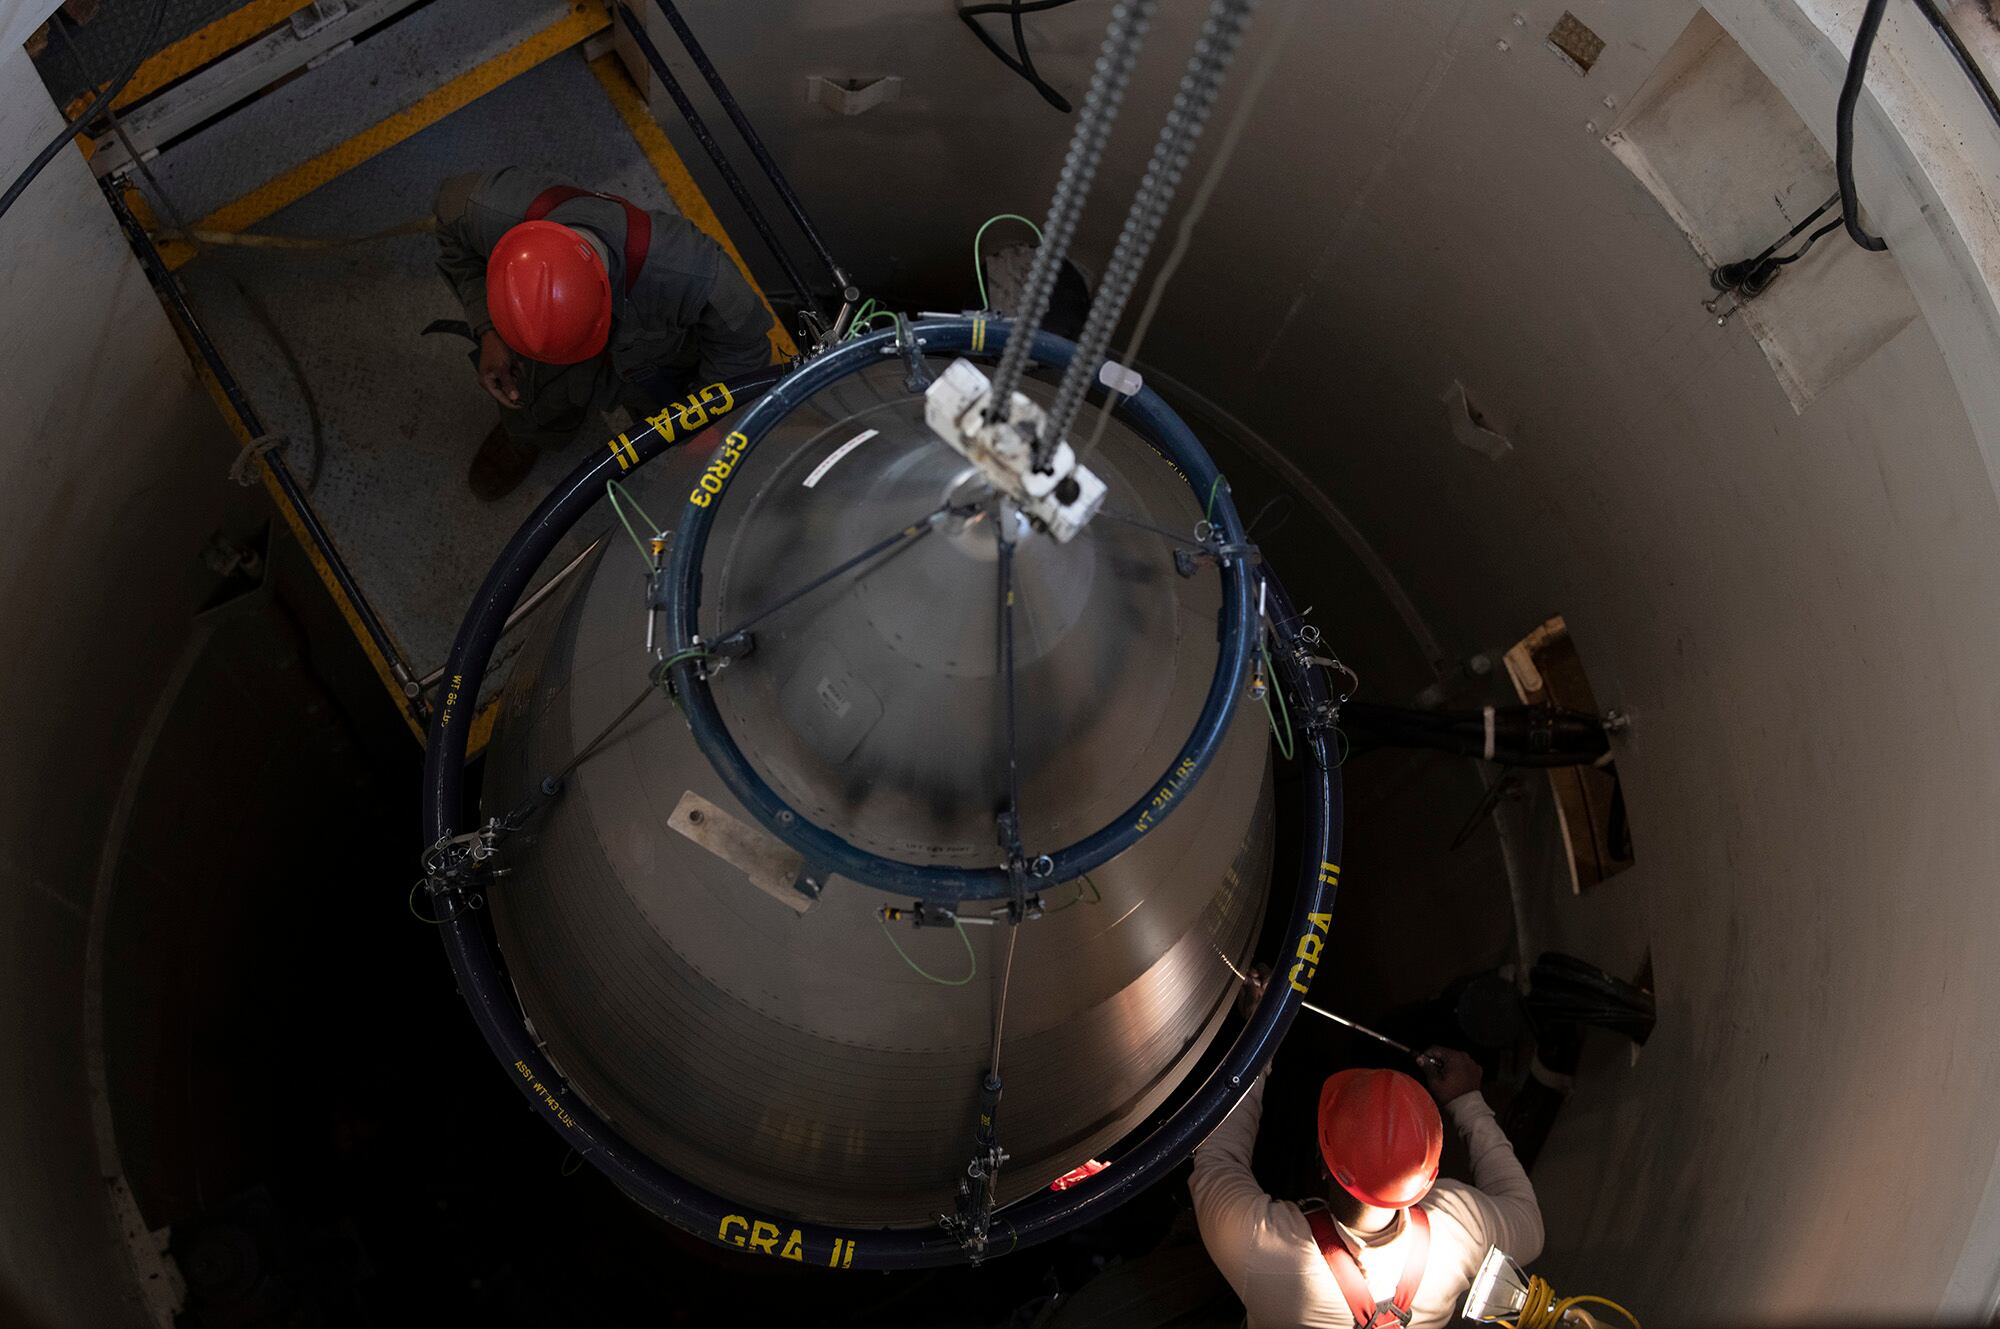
548	295
1380	1135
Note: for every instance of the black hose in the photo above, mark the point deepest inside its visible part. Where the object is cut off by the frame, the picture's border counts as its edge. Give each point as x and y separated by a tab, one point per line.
1843	147
1021	62
89	113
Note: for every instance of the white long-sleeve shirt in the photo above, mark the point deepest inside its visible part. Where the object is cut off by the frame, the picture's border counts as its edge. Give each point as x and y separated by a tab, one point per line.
1266	1250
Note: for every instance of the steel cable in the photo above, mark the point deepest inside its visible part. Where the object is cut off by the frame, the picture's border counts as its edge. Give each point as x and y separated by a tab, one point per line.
1115	61
1211	180
1194	102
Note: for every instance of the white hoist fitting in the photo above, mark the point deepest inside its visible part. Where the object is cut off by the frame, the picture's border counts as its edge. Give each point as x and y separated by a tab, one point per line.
1003	450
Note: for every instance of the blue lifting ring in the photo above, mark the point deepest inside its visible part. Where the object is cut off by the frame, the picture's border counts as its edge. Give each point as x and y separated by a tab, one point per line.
1137	1163
828	854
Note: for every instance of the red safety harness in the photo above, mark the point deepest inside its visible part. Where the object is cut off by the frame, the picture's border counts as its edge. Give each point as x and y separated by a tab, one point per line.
638	224
1368	1312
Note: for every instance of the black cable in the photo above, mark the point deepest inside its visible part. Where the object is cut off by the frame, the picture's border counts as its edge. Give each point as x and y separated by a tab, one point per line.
1751	277
1843	149
1255	528
1731	275
1827	229
1966	63
1136	524
1850	95
902	538
1020	62
583	754
89	113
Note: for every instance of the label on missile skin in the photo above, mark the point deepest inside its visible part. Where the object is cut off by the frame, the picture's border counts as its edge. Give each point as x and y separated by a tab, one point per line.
819	471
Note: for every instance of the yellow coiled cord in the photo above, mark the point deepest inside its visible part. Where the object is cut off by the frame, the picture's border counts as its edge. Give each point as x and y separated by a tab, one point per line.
1543	1311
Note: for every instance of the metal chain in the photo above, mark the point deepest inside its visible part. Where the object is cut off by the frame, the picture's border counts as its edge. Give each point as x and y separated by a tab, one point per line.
1194	102
1115	61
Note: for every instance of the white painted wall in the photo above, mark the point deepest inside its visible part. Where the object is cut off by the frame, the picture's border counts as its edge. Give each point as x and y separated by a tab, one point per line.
1801	610
110	478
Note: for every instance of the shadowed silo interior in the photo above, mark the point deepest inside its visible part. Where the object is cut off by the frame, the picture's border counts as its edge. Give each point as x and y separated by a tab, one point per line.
1447	322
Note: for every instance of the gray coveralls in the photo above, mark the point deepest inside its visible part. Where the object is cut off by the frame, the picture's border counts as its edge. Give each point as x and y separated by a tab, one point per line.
691	319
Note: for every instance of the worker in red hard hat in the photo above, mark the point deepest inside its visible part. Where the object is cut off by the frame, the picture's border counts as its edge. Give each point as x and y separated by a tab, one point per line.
580	302
1389	1243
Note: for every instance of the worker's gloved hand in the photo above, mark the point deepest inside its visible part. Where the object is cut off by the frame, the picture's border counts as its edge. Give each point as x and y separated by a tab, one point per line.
1252	990
496	370
1451	1073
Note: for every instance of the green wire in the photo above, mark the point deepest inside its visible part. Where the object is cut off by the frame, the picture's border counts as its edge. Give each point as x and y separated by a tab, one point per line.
972	959
613	487
1284	736
1208	513
861	316
614	492
978	268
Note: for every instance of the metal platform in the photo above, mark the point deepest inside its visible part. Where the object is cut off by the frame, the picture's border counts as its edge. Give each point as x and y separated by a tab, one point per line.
401	413
354	145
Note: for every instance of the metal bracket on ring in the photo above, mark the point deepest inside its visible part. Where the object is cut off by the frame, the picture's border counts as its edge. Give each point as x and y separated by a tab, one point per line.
1307	642
457	866
916	377
1213	549
930	914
